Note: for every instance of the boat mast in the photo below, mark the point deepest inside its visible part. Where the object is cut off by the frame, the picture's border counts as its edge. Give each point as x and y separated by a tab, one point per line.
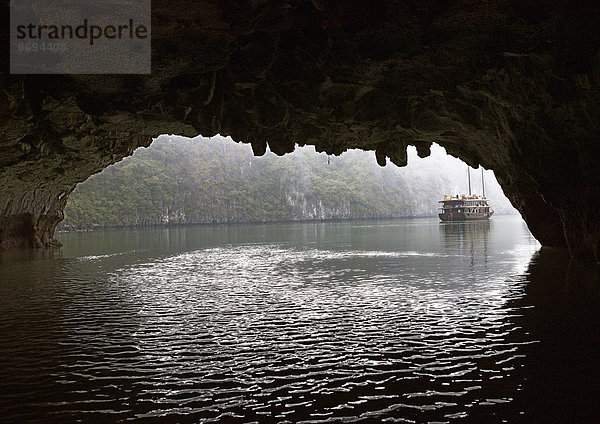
482	183
469	176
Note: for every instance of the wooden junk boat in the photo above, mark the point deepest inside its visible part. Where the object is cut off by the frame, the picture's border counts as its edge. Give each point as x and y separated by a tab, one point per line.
466	207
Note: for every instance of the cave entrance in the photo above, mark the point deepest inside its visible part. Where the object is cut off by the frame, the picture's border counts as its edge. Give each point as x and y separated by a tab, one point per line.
179	180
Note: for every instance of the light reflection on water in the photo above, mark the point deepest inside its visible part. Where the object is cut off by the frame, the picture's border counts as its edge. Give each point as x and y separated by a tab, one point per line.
399	321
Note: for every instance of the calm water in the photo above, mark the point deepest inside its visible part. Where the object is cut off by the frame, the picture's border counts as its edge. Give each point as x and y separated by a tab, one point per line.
394	321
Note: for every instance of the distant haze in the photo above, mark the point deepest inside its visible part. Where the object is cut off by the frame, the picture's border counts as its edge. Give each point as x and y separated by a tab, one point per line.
452	175
179	180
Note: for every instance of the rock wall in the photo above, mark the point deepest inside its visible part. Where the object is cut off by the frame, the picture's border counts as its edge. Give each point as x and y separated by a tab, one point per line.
507	84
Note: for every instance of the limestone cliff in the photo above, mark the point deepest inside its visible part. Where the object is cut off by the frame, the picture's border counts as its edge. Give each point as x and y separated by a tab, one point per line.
179	180
508	84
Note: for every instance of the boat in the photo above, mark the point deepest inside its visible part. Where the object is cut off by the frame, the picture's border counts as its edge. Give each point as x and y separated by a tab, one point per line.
469	207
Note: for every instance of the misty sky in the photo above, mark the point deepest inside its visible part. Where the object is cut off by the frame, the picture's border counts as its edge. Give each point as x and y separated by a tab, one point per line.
449	171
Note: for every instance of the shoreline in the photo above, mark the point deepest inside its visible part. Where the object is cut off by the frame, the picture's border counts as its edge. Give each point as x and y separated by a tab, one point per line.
249	223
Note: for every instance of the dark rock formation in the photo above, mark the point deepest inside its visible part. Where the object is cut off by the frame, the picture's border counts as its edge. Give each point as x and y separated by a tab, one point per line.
511	85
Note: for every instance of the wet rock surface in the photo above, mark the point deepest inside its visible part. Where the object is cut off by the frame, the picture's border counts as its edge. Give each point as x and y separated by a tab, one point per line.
509	86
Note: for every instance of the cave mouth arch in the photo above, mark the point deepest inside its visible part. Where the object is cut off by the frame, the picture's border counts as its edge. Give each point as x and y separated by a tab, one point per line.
31	230
514	88
179	180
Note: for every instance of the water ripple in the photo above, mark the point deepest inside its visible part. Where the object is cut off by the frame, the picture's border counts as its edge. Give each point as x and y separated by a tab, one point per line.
266	332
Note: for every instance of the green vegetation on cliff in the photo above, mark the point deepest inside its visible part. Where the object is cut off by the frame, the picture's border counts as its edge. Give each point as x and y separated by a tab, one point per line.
200	180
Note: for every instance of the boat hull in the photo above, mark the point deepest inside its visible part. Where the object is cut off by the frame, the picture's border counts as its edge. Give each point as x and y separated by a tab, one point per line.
455	216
